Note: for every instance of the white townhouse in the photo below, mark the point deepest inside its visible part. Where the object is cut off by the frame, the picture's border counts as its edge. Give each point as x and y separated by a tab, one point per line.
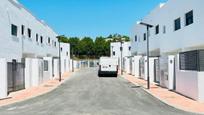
29	49
65	57
23	35
115	48
177	39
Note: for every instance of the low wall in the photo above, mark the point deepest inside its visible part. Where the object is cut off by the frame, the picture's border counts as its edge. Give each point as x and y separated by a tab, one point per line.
3	79
33	72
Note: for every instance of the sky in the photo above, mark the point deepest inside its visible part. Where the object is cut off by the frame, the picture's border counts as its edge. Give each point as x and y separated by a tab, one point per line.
80	18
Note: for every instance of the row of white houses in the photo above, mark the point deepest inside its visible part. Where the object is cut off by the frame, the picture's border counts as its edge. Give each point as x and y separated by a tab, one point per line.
176	47
120	49
29	50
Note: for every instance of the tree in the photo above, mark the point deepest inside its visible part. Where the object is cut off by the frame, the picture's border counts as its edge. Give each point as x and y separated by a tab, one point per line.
63	39
99	47
86	47
74	42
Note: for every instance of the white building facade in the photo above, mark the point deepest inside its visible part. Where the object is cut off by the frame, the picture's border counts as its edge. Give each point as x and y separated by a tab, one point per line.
178	28
29	47
116	50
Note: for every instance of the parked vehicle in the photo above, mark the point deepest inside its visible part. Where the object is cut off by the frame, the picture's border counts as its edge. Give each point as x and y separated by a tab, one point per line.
108	66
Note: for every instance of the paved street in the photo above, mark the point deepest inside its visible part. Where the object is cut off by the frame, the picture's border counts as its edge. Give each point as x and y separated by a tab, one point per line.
87	94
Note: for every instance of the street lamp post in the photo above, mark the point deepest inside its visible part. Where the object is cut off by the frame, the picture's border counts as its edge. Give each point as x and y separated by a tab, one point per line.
148	26
72	58
60	71
121	50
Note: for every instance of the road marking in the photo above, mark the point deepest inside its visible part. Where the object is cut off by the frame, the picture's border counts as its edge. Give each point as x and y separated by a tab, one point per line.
12	108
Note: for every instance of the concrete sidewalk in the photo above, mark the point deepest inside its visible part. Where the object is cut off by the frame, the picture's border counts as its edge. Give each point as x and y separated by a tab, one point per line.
169	97
34	91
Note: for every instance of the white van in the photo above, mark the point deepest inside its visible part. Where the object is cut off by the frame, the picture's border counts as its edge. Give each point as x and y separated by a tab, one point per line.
108	66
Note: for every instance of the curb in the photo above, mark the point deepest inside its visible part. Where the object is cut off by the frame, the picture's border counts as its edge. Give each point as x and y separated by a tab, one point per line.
39	94
163	101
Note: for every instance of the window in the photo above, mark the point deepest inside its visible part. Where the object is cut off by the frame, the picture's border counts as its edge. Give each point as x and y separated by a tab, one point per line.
189	18
41	39
164	29
157	29
55	44
145	36
36	37
48	40
22	29
45	65
177	24
29	32
192	60
61	49
135	38
129	48
67	53
14	30
113	53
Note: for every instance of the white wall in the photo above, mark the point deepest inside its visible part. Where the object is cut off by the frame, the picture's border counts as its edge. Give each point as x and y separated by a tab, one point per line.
167	71
28	73
3	79
186	82
187	38
200	86
133	66
12	12
172	42
65	57
137	65
151	69
56	68
48	74
115	47
37	72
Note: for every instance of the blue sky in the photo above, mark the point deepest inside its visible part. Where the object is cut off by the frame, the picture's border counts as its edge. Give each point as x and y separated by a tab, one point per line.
91	17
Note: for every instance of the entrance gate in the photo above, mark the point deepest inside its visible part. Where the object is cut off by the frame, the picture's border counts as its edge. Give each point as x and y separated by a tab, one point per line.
16	77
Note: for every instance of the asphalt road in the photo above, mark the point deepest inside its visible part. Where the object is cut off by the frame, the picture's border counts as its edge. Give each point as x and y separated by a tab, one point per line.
87	94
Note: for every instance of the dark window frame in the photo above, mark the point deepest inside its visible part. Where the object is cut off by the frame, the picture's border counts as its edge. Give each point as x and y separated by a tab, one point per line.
177	24
46	65
14	30
29	33
36	37
164	29
145	36
113	53
189	18
49	40
157	29
135	38
192	60
55	44
41	39
129	48
22	30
